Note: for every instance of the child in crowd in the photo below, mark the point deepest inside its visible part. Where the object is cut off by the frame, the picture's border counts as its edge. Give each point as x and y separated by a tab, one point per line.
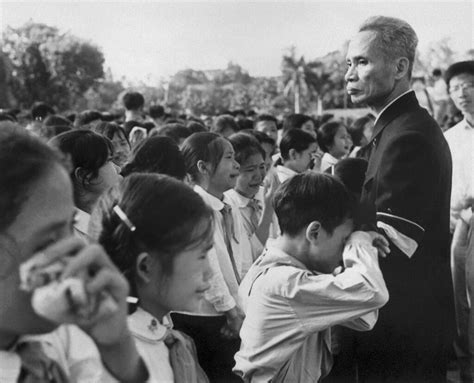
335	141
92	171
299	121
158	232
249	196
361	132
37	211
211	166
297	149
116	134
296	290
268	125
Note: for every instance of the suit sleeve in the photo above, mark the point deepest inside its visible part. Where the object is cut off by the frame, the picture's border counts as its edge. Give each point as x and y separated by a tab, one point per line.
404	200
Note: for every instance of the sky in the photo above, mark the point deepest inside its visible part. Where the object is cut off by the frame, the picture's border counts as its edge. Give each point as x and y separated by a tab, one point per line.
145	40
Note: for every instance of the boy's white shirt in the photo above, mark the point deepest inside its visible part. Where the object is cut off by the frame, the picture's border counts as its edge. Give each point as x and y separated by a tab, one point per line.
289	311
74	351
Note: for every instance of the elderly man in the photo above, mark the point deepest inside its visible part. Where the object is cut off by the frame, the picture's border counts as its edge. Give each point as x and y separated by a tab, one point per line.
460	81
406	193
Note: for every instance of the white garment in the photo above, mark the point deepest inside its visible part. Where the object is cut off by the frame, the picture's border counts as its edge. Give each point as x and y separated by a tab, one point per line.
290	309
74	351
461	143
149	336
223	293
81	224
327	161
284	173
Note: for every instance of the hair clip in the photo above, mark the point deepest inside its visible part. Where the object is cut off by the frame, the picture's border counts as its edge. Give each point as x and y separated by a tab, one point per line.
124	218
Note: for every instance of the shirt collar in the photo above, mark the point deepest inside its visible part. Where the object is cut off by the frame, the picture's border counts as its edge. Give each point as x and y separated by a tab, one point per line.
213	202
238	199
81	221
390	103
286	171
146	327
467	124
276	256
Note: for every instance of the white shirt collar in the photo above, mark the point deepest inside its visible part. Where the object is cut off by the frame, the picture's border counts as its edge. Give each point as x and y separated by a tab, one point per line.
146	327
81	221
236	198
213	202
390	103
284	173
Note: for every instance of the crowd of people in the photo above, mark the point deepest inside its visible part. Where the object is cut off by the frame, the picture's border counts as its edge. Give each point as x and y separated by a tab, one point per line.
153	247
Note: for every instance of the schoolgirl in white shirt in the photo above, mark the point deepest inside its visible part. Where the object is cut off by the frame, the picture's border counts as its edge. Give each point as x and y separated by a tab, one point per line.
158	231
211	166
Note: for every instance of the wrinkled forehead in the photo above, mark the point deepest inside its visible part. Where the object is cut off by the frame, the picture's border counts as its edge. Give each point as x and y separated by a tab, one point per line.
362	43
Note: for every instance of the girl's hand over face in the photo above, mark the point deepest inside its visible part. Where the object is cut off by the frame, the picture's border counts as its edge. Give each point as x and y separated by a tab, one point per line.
108	323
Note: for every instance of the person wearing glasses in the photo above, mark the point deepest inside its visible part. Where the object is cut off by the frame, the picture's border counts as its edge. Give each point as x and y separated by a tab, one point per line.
460	81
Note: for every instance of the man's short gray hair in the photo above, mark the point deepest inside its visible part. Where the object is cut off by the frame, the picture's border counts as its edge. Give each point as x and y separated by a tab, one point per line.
395	37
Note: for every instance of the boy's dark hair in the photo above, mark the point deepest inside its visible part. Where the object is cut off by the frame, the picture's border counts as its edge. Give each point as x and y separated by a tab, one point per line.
326	134
309	197
47	132
56	120
295	139
245	123
133	100
245	146
156	111
205	146
41	110
295	121
223	122
266	117
129	125
168	215
24	160
156	154
351	172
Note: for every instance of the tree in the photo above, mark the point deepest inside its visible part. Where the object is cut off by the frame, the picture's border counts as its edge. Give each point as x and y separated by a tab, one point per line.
302	79
50	66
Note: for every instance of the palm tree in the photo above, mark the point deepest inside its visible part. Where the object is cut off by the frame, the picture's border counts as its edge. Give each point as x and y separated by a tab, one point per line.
300	78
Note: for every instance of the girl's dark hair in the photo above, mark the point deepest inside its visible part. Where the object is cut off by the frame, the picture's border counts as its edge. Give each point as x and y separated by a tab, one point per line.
295	139
326	134
175	131
245	146
295	121
156	154
207	147
168	215
356	129
108	129
87	150
24	160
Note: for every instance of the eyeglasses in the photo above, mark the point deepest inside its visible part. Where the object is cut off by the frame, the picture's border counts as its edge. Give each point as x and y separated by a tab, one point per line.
9	255
463	86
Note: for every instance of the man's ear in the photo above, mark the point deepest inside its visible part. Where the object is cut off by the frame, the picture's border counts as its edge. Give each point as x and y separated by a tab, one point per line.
143	267
313	231
403	64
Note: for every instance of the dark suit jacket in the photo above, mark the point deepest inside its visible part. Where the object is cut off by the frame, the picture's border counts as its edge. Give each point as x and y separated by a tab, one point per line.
408	186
